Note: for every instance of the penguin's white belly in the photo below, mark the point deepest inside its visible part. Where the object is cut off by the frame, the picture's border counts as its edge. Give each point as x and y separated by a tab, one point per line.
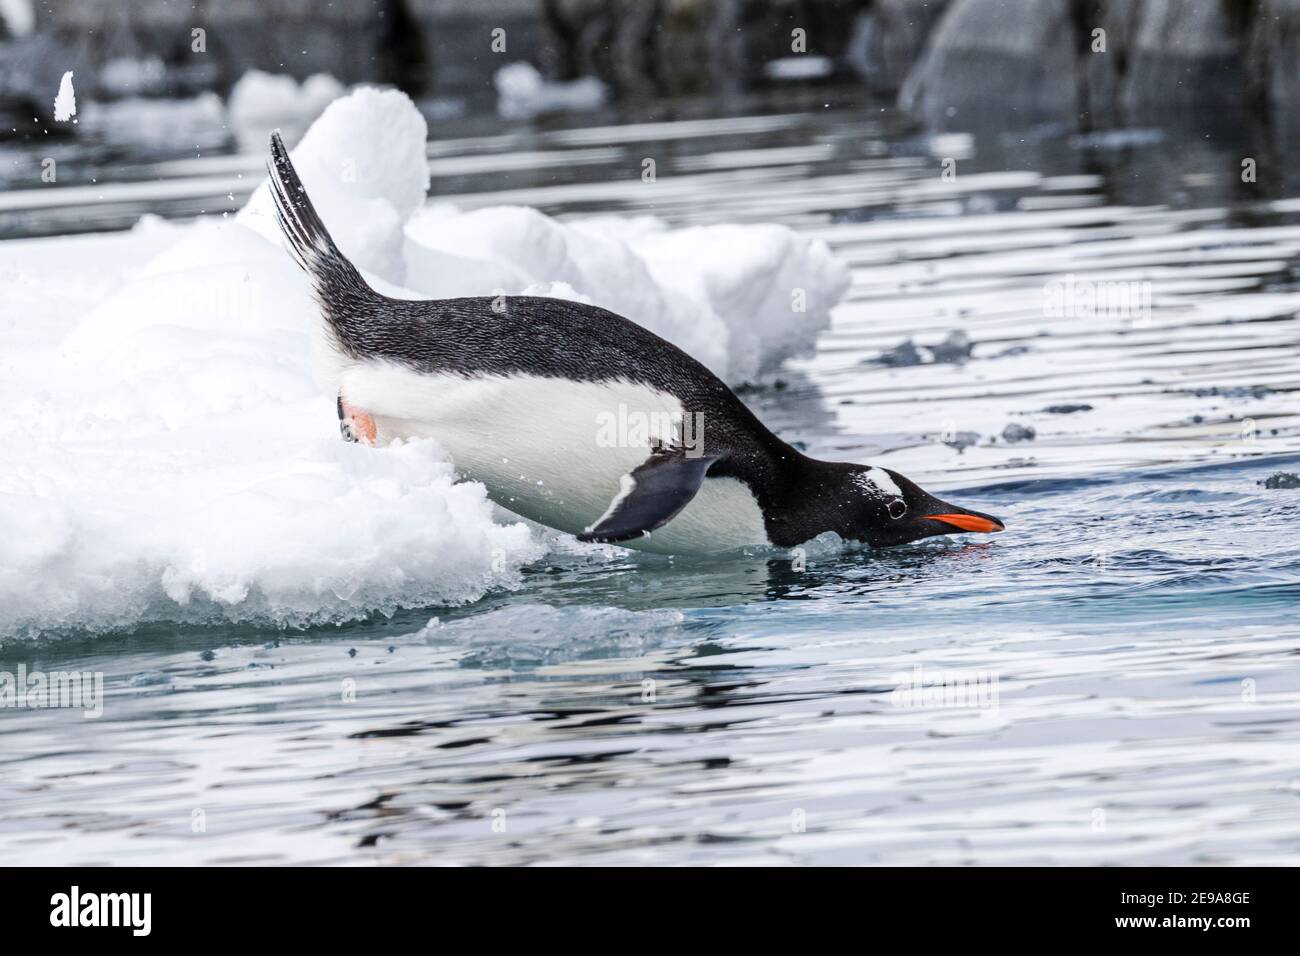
553	450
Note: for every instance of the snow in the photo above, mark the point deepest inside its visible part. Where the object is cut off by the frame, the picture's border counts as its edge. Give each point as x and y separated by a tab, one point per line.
65	103
147	121
363	163
171	458
261	102
522	93
771	288
727	295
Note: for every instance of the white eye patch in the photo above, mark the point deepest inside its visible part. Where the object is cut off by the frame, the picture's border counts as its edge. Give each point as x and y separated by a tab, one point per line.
881	485
879	482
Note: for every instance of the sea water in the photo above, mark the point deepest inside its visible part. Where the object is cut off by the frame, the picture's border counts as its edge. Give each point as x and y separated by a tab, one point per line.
1112	680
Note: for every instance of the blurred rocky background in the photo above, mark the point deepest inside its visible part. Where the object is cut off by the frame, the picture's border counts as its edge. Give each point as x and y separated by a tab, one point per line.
1081	64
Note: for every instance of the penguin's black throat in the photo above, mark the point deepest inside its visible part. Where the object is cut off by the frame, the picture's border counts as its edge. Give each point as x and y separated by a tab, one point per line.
871	504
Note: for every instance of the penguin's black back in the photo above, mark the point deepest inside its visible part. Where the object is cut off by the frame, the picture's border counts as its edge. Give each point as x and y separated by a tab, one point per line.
558	338
553	338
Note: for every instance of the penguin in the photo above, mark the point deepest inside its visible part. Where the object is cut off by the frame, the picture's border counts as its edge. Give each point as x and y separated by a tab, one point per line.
582	420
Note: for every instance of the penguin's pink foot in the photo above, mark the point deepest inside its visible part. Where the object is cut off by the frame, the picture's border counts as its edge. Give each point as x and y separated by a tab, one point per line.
356	424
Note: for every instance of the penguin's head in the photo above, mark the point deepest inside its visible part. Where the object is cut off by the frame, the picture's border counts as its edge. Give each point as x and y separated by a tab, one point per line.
891	509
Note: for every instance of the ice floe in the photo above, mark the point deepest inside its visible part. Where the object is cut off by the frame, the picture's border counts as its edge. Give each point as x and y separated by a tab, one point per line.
171	459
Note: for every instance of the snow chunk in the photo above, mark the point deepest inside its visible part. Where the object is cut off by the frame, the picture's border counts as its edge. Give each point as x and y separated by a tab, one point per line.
172	459
65	103
261	102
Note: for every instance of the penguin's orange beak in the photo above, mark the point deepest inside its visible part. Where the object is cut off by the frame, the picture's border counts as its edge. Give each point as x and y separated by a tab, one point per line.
971	521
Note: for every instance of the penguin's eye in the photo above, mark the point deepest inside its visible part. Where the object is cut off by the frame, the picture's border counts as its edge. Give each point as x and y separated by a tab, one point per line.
897	508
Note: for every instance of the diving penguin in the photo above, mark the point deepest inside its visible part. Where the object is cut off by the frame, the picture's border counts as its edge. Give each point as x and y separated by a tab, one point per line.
583	420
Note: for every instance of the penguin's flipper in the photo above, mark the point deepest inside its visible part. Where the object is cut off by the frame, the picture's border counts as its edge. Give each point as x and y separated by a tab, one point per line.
650	496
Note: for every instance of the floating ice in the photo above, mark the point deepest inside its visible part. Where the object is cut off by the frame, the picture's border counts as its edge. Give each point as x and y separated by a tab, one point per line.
169	457
261	102
174	461
522	92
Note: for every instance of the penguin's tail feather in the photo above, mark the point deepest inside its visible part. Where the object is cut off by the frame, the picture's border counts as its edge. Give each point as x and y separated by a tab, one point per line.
341	291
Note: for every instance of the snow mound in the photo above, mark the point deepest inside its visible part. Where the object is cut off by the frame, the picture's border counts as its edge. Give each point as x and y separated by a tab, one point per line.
174	461
205	525
772	289
740	299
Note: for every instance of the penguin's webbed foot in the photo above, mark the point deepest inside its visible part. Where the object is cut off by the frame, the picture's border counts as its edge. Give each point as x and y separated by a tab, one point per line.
355	424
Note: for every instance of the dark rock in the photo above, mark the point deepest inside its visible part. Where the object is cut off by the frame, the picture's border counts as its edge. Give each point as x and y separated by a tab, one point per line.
1182	55
1272	62
993	57
902	355
716	47
1233	391
888	38
761	386
1032	61
421	46
1014	350
955	348
1282	479
962	440
1015	432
